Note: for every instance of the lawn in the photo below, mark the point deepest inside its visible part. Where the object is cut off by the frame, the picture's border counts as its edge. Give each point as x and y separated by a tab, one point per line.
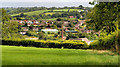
13	55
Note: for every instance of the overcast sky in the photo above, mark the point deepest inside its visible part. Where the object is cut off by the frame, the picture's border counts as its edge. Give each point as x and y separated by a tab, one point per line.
45	3
46	0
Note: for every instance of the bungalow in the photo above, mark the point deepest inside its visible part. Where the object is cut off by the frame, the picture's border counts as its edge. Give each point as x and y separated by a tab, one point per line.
50	30
71	16
23	32
82	39
24	28
71	31
35	24
35	29
29	22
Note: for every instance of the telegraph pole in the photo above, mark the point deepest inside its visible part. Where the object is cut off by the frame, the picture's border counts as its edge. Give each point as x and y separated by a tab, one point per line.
62	29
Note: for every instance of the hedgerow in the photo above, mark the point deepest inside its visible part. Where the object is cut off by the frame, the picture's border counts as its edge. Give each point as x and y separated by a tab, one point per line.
46	44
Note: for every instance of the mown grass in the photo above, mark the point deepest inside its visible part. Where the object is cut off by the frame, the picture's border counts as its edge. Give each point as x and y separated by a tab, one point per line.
13	55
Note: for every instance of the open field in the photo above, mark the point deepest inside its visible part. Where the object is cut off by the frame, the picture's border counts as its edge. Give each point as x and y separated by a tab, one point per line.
13	55
32	13
42	11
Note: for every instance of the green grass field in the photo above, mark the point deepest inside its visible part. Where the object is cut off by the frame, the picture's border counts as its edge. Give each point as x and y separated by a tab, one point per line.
42	11
32	13
13	55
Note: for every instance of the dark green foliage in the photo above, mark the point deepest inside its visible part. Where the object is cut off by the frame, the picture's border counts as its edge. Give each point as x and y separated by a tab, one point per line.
58	19
54	27
103	15
41	35
31	33
5	16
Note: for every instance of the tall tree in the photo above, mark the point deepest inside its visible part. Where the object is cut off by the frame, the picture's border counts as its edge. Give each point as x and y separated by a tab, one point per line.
102	16
5	16
9	28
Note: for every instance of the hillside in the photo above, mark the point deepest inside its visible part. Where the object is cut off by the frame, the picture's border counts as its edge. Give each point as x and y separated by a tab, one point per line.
46	12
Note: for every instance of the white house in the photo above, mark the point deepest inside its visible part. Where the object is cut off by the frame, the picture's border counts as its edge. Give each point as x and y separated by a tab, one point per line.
49	30
23	32
83	39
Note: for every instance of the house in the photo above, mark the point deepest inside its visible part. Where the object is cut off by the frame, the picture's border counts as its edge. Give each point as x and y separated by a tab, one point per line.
66	23
75	39
29	22
23	32
32	38
71	16
71	31
79	10
35	29
88	31
82	39
64	38
35	24
50	30
24	28
86	40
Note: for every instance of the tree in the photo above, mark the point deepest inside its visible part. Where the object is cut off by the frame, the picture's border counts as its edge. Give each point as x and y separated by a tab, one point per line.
71	25
102	16
54	26
80	6
5	16
58	19
41	35
31	33
9	29
22	15
56	35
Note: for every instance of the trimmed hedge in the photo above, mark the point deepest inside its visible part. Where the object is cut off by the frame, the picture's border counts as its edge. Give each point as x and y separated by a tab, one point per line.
46	44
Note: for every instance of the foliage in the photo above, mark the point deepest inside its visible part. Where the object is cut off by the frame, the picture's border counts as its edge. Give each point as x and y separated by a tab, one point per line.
54	27
31	33
102	16
5	16
41	35
9	29
107	42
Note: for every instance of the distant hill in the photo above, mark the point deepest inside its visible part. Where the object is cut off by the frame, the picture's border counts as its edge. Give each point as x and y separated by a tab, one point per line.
46	12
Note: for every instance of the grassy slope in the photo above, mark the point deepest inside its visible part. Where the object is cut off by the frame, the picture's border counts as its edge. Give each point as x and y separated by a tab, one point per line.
42	11
32	13
13	55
